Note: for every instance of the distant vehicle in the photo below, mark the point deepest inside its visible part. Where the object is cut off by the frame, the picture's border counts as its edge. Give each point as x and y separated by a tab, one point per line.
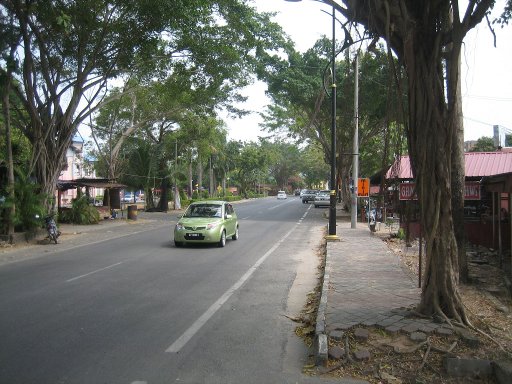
97	202
207	222
322	199
308	195
297	192
128	198
281	195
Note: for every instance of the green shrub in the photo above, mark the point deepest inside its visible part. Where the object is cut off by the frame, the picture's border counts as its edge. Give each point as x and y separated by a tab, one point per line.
233	198
81	212
29	204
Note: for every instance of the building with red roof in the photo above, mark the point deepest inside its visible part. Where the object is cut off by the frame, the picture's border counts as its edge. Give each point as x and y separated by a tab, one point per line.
487	207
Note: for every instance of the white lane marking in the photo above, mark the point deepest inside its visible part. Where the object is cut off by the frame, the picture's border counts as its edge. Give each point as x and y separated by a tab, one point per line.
96	271
201	321
278	205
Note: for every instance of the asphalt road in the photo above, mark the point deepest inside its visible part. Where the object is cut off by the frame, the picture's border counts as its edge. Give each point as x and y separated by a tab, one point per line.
135	309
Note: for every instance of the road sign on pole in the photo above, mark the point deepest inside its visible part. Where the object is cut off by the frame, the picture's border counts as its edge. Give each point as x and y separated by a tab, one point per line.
363	187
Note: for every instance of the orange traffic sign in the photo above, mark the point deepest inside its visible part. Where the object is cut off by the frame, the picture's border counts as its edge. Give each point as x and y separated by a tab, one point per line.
363	187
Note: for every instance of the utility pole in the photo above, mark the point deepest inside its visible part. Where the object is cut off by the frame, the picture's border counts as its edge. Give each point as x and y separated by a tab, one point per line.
355	159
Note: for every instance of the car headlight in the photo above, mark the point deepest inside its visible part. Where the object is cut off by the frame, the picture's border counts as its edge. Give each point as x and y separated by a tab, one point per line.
212	226
179	227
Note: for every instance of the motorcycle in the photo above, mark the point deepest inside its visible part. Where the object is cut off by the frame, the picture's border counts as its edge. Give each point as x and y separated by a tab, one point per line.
51	228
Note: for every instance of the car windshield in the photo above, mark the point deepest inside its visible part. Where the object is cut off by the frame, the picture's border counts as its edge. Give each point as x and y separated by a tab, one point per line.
204	210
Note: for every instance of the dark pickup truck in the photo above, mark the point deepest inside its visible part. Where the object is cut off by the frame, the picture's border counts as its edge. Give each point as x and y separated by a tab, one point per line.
308	195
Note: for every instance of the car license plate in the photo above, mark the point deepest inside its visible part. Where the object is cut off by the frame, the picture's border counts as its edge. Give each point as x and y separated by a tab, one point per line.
194	234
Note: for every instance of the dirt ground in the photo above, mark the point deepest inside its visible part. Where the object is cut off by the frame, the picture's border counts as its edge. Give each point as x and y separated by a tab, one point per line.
395	359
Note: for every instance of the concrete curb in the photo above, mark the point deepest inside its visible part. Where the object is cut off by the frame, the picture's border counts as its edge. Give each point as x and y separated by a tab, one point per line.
321	338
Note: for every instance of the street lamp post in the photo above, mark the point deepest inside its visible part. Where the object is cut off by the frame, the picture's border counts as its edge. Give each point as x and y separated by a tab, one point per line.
332	207
332	183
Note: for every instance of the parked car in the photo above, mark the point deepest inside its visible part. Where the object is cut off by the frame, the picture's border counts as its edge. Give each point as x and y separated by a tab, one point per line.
128	197
308	195
281	195
322	199
207	222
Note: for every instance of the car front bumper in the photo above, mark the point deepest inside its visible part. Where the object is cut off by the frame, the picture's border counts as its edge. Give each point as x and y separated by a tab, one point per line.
202	236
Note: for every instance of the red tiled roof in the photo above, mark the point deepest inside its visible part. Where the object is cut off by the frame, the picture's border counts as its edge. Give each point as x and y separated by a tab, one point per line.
400	170
487	163
477	164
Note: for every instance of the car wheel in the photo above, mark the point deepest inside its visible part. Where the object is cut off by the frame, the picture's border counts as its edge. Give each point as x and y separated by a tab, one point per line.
222	241
235	236
178	244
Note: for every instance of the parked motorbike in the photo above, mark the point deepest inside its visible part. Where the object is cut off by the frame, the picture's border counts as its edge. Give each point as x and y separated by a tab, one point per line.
51	228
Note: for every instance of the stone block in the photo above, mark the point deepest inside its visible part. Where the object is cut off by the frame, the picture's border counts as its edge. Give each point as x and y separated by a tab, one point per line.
442	331
335	326
369	322
468	337
336	335
502	371
394	329
413	327
321	347
428	328
385	323
418	336
361	334
336	353
362	355
460	367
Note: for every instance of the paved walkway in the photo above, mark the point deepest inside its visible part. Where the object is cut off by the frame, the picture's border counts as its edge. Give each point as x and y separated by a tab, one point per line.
364	284
366	280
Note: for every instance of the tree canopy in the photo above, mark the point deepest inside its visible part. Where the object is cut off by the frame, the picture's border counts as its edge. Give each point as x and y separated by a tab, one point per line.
64	55
301	107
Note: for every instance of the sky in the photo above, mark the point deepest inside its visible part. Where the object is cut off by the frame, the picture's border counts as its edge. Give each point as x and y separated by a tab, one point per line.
486	74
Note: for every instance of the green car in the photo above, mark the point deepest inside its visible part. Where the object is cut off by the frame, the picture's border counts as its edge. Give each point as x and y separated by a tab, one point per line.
207	222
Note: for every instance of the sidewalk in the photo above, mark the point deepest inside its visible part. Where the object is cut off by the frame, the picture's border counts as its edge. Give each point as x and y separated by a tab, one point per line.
79	235
364	284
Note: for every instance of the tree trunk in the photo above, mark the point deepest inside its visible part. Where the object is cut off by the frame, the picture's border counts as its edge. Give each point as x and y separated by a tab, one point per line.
163	204
190	186
8	144
458	162
199	173
431	143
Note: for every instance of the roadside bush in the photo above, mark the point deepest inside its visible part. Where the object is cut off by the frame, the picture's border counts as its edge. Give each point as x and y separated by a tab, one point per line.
28	202
81	212
232	198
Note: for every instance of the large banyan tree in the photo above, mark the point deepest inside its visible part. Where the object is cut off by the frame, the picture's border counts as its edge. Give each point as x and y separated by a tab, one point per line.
426	36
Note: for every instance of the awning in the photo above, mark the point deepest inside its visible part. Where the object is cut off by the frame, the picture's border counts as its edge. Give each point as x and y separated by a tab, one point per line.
64	185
